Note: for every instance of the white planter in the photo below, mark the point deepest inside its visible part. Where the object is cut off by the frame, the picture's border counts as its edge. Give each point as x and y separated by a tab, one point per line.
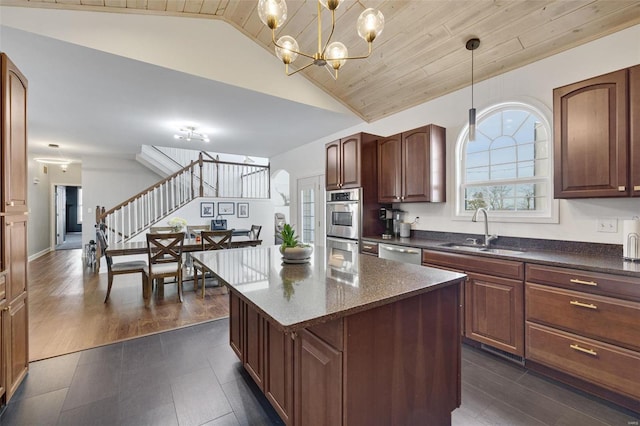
296	254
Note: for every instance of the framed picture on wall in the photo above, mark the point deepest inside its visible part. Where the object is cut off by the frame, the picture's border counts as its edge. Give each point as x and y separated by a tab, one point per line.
243	209
206	209
226	208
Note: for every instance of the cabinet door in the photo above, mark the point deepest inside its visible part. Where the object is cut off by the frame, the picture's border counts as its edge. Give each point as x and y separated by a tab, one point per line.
14	137
415	166
494	312
236	324
278	382
634	134
3	359
332	165
318	369
350	162
389	169
16	339
16	256
254	345
590	138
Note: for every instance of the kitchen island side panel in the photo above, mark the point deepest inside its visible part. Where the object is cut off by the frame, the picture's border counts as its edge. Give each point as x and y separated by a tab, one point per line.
402	361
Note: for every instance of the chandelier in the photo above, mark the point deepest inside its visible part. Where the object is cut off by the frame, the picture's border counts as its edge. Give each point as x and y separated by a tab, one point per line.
331	55
189	134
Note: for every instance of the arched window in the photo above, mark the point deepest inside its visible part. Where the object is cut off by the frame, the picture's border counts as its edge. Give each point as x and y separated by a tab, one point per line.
508	168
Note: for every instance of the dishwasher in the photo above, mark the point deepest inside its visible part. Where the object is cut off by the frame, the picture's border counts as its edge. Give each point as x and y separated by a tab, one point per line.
400	253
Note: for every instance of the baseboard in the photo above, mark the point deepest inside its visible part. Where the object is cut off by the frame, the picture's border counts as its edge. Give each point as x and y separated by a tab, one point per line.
39	254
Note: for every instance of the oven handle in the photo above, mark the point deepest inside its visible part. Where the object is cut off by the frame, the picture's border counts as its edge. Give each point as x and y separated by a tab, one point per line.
342	240
409	251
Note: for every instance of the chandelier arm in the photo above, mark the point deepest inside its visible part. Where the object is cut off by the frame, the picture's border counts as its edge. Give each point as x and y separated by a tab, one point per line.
361	57
333	27
273	40
300	69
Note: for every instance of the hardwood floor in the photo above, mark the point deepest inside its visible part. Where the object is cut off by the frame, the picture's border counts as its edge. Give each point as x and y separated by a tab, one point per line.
67	313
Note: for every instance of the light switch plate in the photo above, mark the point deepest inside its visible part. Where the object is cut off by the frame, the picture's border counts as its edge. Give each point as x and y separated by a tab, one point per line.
608	225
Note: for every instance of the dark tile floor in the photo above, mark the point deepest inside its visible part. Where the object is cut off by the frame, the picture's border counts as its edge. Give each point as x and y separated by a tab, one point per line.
192	377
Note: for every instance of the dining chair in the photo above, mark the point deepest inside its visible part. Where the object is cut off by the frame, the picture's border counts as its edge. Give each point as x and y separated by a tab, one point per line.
161	229
164	252
211	240
255	232
120	268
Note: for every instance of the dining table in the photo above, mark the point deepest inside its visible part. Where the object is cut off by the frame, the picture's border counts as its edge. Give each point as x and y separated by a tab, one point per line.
189	245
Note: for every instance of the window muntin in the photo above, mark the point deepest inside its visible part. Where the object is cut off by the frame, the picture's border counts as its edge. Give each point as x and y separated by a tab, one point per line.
507	167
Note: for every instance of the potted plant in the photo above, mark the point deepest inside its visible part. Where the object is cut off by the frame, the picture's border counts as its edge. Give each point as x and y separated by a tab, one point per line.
292	250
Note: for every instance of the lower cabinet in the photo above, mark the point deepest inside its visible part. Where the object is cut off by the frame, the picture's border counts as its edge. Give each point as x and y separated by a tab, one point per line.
15	337
493	304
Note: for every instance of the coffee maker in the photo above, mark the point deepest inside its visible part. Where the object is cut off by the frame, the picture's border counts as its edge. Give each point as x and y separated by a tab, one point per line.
392	218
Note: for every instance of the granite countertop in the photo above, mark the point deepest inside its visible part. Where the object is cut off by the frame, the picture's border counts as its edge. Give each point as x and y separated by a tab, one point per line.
570	255
295	296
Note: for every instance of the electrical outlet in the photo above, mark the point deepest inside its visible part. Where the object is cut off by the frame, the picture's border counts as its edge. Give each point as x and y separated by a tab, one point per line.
417	220
608	225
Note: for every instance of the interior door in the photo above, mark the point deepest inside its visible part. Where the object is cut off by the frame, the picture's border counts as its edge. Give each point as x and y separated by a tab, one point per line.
310	229
61	213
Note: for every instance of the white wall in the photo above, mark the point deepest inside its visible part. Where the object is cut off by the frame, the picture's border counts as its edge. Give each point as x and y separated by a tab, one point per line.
536	82
108	181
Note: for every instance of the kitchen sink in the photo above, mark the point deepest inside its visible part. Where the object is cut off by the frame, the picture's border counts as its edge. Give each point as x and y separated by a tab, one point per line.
480	249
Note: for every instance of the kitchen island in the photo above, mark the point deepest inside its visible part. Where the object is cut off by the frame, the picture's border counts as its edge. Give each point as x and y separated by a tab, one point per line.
332	341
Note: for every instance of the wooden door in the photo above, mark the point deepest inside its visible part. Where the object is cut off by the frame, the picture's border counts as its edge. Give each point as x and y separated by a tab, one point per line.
415	165
318	382
494	312
350	162
590	138
389	169
634	129
278	382
254	345
332	165
16	340
14	137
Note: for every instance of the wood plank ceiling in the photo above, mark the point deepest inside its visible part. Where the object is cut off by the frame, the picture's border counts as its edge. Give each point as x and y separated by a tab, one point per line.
421	53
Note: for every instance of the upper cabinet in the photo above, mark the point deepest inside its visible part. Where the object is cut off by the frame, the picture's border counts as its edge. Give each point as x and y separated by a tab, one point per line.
411	166
343	163
595	136
13	94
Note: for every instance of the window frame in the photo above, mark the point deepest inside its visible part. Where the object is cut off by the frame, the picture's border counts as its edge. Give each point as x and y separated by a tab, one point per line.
549	215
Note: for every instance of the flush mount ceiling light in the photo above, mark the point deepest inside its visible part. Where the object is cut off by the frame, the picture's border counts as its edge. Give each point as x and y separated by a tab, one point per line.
472	44
331	55
189	133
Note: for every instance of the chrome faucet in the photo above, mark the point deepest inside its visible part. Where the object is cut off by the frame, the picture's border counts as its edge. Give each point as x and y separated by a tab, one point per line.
487	238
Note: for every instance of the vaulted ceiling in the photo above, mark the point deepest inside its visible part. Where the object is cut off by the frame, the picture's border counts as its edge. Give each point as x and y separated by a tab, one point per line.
421	53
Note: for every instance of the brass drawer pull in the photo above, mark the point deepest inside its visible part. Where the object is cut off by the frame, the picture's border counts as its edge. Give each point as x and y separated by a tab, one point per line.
577	281
583	305
583	350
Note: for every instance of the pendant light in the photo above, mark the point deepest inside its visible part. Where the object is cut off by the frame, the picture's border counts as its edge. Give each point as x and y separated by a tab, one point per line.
472	44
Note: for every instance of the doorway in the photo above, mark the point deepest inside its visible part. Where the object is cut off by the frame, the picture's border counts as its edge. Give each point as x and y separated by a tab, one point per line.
68	214
311	210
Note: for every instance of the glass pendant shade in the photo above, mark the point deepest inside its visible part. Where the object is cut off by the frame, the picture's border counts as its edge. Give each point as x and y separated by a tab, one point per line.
287	53
336	52
370	24
472	124
331	4
272	13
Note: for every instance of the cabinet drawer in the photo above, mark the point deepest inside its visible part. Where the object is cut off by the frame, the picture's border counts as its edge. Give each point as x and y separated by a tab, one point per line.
479	264
369	248
591	282
612	320
606	365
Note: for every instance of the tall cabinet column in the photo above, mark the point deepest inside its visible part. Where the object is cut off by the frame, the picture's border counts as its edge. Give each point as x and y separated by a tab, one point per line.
14	329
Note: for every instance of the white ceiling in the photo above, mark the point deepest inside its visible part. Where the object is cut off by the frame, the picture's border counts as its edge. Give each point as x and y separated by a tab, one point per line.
95	103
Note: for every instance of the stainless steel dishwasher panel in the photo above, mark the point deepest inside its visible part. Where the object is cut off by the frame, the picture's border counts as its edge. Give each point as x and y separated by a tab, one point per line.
400	253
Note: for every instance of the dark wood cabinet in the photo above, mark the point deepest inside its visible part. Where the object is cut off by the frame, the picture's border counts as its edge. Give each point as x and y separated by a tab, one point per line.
582	328
318	381
253	357
14	334
493	298
494	312
595	135
278	382
411	166
343	163
236	321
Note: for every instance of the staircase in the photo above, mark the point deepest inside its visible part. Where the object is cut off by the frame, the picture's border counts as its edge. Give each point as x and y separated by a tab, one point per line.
205	177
